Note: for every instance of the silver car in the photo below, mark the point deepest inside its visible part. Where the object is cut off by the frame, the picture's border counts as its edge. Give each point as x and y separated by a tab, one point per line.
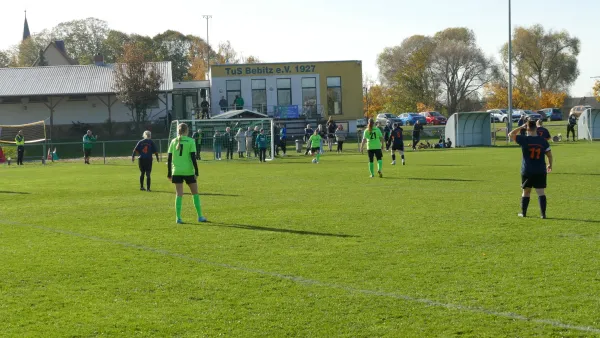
387	118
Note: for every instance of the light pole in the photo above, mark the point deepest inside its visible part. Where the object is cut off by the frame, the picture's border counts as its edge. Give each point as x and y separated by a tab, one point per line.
510	84
207	17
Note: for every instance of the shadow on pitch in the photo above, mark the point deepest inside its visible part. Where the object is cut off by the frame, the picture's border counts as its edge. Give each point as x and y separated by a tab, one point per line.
444	165
289	231
201	193
15	192
577	174
574	220
433	179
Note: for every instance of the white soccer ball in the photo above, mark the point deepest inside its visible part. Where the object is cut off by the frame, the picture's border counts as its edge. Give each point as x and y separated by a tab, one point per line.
314	160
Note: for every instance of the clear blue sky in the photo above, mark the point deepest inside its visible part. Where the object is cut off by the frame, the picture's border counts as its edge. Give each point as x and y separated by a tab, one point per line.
315	30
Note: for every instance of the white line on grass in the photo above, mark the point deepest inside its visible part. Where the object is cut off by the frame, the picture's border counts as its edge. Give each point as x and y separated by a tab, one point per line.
313	282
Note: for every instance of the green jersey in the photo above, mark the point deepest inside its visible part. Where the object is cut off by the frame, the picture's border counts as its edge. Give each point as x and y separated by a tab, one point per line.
315	141
373	138
182	159
88	141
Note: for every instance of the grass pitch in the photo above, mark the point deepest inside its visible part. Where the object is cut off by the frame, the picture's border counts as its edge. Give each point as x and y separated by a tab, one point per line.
300	249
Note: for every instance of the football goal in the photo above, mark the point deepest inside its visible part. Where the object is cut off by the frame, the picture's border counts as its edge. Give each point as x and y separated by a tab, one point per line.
34	134
213	139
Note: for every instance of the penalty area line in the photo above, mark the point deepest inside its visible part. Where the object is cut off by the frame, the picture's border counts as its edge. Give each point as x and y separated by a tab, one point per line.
314	282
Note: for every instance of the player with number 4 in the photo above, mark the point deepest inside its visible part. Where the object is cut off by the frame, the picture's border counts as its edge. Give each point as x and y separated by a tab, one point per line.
534	170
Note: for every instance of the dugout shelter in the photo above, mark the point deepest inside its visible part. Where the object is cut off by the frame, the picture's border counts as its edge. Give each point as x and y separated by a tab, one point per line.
469	129
588	125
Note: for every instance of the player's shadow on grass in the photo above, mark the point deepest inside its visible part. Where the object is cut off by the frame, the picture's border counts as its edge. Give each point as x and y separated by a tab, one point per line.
289	231
573	220
576	174
15	192
444	165
434	179
201	193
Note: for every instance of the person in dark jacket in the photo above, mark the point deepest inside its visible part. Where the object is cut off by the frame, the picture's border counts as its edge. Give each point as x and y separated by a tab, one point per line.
416	136
308	132
229	142
571	126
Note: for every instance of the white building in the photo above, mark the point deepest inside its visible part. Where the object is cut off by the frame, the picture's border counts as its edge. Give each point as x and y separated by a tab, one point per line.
65	94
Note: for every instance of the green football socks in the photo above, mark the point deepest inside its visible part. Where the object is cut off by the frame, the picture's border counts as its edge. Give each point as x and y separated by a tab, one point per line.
372	168
178	202
379	165
197	205
318	156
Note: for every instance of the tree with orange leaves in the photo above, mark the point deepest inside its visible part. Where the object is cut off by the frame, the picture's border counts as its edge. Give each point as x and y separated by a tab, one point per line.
597	90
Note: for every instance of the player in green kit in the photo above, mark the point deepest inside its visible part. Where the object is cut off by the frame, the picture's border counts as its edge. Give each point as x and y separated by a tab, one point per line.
315	146
182	167
374	140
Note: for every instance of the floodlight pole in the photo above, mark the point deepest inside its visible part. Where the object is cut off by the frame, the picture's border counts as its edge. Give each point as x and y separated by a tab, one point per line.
510	76
207	17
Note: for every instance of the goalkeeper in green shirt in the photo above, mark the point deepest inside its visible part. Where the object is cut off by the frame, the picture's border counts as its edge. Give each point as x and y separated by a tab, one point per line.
182	167
374	140
88	144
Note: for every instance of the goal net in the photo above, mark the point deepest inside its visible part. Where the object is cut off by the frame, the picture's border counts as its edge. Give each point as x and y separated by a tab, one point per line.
34	135
32	132
213	139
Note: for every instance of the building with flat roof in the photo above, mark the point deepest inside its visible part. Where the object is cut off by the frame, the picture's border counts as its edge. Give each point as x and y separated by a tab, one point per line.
289	90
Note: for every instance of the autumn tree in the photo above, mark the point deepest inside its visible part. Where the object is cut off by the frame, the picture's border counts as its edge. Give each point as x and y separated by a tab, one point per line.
597	90
406	71
227	54
547	60
83	38
375	99
251	59
4	59
137	83
459	65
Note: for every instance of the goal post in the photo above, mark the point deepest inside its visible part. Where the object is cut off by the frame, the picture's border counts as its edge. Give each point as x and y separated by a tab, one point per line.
34	134
211	141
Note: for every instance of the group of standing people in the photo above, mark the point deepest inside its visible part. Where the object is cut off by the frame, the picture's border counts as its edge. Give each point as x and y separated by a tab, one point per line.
331	133
246	142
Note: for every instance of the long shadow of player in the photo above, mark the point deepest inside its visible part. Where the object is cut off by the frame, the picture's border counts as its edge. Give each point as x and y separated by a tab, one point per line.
201	193
432	179
289	231
573	220
15	192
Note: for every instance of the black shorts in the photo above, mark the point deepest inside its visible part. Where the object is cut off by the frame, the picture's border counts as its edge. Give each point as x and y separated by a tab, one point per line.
399	147
536	181
87	152
375	153
181	179
145	164
315	150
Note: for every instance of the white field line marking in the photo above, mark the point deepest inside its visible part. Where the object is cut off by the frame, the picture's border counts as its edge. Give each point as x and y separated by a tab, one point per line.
313	282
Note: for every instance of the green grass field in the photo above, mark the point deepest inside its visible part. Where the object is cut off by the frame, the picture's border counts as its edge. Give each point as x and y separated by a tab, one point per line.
298	249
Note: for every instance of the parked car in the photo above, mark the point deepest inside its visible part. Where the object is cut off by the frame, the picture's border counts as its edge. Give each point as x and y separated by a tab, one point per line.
410	119
434	118
498	115
552	114
578	110
385	118
533	116
361	123
516	114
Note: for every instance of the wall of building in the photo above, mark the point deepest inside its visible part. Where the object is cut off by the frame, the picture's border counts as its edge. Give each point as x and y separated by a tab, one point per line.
54	57
67	111
350	73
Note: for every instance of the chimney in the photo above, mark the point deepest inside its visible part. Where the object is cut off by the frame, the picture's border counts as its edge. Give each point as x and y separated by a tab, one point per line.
99	60
60	45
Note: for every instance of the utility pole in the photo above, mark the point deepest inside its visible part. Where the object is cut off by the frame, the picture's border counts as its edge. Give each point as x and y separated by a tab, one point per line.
207	17
510	76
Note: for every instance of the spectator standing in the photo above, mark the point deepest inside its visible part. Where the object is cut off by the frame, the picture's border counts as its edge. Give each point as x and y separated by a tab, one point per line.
197	136
255	134
223	104
205	106
228	141
386	135
571	126
416	136
283	138
261	144
249	144
217	142
521	122
340	137
241	142
276	136
88	144
20	142
239	102
308	132
331	127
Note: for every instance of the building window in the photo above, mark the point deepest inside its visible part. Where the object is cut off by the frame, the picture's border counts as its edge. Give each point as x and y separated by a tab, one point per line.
259	95
309	95
284	92
233	88
334	95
